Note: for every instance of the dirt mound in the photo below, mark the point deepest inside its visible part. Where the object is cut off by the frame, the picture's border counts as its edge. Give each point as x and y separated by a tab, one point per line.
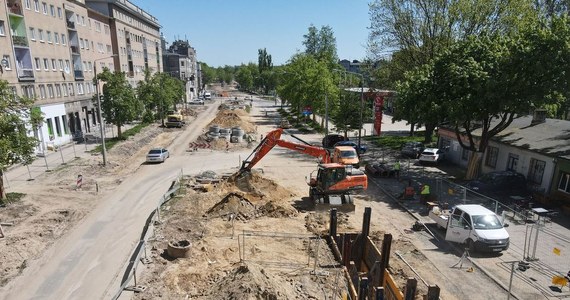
235	204
252	282
229	118
276	210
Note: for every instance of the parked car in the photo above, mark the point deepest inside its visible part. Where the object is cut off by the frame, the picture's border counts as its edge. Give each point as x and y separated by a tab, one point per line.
157	155
412	149
432	155
500	184
354	145
197	101
331	139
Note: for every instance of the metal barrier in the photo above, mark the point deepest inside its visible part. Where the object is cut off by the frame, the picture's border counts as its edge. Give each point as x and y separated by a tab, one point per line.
136	256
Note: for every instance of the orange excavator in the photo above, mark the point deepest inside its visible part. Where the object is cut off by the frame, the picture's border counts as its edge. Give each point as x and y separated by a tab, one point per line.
330	185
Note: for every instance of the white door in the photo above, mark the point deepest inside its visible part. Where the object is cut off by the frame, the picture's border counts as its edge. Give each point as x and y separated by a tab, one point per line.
458	229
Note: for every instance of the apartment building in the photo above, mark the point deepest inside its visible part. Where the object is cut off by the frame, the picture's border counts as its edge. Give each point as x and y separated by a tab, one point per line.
179	60
51	50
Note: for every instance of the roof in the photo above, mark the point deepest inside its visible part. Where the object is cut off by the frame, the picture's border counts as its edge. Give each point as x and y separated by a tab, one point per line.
551	137
474	209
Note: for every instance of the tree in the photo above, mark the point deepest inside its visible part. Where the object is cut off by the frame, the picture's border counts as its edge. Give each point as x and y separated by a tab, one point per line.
244	77
346	114
119	104
321	44
264	61
208	74
17	144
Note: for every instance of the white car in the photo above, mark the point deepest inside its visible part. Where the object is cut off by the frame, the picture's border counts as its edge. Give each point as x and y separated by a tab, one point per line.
197	101
157	155
432	155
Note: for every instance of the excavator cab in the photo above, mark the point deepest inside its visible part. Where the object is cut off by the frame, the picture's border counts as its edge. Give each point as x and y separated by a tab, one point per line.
333	185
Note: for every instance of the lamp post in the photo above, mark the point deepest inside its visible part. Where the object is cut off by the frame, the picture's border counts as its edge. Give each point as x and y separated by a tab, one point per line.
361	101
101	131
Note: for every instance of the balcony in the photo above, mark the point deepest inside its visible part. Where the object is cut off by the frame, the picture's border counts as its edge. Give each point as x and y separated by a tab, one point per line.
20	41
70	24
78	74
74	49
131	74
25	74
15	7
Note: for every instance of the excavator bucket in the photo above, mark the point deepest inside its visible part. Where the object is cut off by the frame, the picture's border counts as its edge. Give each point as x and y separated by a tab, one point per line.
343	203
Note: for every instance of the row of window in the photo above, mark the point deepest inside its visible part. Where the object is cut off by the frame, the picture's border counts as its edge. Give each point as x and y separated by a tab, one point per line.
58	90
44	8
61	126
47	37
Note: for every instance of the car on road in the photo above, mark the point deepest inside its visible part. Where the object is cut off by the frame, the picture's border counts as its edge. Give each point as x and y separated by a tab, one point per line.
197	101
412	149
432	155
157	155
500	184
331	139
359	150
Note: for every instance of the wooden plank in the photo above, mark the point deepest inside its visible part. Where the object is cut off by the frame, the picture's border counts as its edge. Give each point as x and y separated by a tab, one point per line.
411	287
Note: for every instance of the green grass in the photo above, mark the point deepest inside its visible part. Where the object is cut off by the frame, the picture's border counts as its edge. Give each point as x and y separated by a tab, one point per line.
12	198
110	143
393	141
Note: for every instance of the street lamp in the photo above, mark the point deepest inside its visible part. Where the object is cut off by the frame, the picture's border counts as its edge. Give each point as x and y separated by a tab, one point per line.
361	101
101	131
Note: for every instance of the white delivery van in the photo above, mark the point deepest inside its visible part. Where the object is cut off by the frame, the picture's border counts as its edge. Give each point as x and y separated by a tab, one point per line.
474	225
207	96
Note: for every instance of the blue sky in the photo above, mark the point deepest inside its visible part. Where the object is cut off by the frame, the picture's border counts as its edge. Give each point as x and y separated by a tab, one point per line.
229	32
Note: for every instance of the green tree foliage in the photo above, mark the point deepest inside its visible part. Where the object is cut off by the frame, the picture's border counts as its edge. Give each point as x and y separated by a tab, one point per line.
17	143
245	76
264	60
321	44
345	115
208	74
119	104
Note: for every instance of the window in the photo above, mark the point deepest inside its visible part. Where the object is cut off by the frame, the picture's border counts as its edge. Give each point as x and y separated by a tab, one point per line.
106	28
109	49
464	154
50	90
45	8
59	13
58	90
32	33
2	29
86	44
50	127
38	63
27	4
90	66
97	26
70	89
41	34
8	65
37	5
63	41
81	44
564	182
42	91
48	36
52	10
53	64
67	65
85	66
64	89
65	126
512	162
492	154
536	171
100	48
79	88
56	37
61	64
57	126
46	64
83	20
29	91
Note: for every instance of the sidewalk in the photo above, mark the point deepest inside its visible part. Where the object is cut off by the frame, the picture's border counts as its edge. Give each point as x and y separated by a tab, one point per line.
18	176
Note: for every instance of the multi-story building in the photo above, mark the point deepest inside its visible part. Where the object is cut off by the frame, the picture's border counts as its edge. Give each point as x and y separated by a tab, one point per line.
179	60
51	48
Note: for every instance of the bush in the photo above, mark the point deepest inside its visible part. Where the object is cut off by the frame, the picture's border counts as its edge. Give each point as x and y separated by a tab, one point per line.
395	142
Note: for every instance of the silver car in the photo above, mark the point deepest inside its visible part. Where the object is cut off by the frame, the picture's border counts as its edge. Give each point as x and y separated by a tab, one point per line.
157	155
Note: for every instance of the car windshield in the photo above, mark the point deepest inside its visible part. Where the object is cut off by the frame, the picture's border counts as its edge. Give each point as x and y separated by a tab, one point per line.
347	154
486	222
155	151
428	153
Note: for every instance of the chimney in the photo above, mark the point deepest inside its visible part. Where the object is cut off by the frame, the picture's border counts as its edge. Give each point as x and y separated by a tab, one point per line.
538	117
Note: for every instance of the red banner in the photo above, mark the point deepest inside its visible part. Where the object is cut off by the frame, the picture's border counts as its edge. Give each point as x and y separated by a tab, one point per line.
378	106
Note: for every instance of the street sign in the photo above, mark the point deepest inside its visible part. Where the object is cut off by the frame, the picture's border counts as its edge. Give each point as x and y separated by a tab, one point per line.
203	145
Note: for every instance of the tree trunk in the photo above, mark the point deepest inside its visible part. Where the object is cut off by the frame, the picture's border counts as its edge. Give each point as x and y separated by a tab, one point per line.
119	132
428	135
412	127
474	165
2	191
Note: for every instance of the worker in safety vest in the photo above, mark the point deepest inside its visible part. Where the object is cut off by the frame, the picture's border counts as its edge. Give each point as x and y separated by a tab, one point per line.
397	170
424	193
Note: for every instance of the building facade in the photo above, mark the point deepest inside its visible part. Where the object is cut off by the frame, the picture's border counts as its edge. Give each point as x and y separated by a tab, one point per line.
179	60
51	50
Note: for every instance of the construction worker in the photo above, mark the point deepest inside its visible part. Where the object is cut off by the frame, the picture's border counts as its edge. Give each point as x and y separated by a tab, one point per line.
424	194
397	170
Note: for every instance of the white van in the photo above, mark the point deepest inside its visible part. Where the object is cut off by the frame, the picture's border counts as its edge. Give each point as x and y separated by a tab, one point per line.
474	225
207	96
